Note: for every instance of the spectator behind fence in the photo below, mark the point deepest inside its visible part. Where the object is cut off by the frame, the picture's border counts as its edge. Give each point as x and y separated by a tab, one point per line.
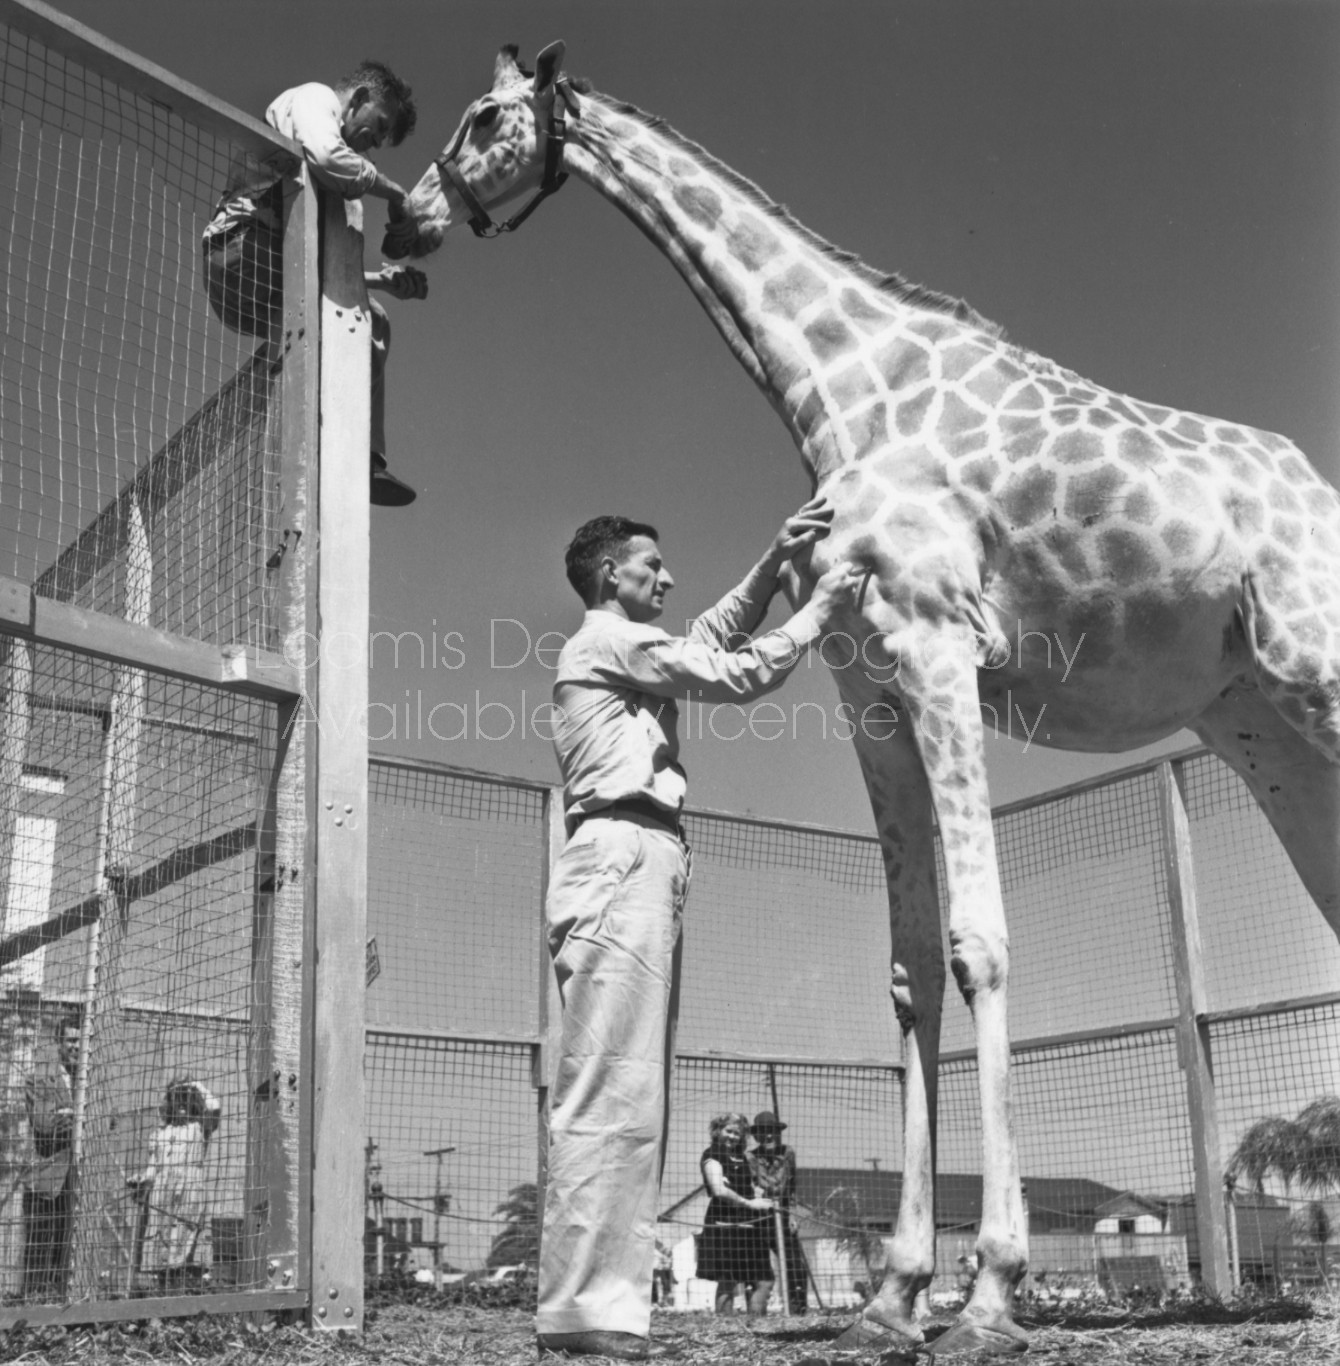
773	1165
171	1189
733	1247
48	1194
243	243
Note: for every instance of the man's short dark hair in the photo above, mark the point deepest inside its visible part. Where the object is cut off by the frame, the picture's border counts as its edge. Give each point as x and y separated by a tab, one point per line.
387	87
596	539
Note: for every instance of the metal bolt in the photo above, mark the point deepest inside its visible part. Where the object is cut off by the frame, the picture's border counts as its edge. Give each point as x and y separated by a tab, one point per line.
321	1313
272	1267
348	1311
288	1276
339	820
333	1293
349	809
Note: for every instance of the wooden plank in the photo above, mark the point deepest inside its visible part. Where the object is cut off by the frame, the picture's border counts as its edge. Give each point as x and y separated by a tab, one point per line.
167	1306
118	64
478	775
278	1056
341	825
453	1036
1069	1040
786	1060
233	668
1193	1034
95	1168
1291	1007
550	1022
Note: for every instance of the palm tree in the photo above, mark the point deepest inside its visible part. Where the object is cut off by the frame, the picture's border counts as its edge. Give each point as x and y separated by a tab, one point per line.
1305	1150
518	1241
842	1211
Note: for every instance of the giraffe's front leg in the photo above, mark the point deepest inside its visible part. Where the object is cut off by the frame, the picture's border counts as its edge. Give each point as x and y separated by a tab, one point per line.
901	801
939	688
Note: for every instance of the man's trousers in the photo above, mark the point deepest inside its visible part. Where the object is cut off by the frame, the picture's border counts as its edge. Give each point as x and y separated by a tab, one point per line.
614	911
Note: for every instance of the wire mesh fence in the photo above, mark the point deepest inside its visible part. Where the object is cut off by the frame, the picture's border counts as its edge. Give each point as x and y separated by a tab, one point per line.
123	395
785	1008
149	1148
126	992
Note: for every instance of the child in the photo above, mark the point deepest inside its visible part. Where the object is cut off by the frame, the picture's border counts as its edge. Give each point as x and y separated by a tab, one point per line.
172	1186
244	268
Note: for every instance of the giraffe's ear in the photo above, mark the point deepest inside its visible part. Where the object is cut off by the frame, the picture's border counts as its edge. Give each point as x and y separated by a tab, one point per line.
547	66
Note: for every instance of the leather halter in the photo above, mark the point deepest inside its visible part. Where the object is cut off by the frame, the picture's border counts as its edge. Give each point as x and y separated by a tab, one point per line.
554	177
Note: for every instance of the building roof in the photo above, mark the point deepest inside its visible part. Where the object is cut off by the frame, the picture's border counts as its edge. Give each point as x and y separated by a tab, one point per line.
1127	1203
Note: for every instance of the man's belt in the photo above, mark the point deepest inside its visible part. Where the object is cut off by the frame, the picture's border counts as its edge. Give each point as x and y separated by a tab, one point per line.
636	808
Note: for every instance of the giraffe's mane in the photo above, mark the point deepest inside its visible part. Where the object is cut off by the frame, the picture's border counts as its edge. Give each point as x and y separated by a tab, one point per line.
919	296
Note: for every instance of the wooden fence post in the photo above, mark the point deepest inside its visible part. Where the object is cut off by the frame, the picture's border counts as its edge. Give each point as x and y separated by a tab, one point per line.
1193	1033
340	950
550	1023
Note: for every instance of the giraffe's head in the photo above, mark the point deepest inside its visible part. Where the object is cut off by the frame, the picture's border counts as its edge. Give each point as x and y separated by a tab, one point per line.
498	151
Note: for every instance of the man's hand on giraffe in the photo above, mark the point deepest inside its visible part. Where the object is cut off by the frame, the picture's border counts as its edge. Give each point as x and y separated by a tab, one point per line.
839	592
811	522
400	282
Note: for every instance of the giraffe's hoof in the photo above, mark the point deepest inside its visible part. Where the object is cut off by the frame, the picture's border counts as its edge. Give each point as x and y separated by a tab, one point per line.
874	1329
1000	1337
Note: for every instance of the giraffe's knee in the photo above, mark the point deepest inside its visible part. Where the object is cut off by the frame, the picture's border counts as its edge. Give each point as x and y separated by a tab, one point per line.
915	996
980	961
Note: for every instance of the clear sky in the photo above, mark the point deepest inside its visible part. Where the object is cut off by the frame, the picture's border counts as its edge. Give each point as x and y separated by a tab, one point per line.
1142	190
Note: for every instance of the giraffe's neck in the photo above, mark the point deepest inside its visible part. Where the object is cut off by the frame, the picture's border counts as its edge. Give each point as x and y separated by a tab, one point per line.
802	318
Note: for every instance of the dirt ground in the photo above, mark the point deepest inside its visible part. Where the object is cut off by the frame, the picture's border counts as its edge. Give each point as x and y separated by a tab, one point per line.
1297	1332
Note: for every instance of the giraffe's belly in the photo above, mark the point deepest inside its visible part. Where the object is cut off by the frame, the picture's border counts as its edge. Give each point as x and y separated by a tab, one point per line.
1104	672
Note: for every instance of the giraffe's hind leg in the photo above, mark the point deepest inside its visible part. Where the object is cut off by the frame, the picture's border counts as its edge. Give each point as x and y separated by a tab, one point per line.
1296	659
1293	781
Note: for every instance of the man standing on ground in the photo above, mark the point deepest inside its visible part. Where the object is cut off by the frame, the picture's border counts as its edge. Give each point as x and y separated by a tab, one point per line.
617	896
773	1164
243	244
48	1194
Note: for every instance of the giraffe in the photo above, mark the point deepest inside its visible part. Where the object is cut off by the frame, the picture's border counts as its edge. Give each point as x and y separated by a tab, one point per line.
1189	569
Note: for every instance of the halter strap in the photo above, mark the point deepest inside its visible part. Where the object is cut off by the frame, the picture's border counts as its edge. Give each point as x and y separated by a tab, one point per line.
554	177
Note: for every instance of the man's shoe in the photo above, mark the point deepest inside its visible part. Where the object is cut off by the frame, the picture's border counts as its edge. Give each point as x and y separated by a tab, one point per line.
595	1342
387	490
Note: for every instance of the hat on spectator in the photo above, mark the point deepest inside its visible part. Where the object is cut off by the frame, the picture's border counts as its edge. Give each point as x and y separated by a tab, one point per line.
765	1119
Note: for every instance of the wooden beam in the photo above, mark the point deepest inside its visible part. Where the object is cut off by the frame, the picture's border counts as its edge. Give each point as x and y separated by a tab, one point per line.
277	1239
550	1022
342	820
1193	1033
129	888
233	668
167	1306
241	404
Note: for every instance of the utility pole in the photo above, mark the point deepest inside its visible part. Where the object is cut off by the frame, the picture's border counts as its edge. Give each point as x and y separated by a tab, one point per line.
376	1192
439	1208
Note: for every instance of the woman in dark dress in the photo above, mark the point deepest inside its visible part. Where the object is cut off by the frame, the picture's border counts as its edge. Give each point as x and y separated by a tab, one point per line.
733	1248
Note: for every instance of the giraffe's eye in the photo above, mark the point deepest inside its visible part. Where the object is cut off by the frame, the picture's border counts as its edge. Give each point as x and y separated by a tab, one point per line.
485	117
